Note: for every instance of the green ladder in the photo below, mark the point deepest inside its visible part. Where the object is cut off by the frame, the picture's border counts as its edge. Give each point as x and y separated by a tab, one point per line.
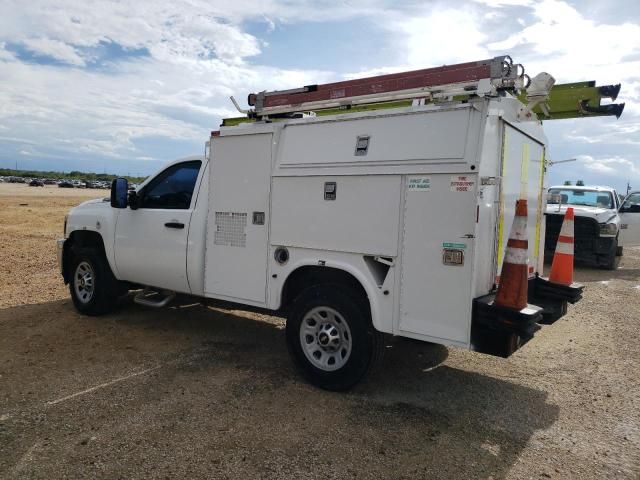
577	100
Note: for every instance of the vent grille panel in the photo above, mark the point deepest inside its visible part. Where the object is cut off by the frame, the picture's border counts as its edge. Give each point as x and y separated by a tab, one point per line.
230	229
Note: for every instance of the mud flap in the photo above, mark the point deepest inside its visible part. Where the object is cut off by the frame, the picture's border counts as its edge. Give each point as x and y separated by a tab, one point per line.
553	297
501	331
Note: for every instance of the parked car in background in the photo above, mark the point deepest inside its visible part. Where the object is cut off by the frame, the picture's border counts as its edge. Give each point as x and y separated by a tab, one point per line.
36	183
65	184
601	226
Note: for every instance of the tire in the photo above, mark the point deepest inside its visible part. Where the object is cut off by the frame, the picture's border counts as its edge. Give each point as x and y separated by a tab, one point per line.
612	261
94	290
330	337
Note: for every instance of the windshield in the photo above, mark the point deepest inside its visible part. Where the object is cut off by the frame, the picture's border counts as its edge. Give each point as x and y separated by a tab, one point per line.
588	198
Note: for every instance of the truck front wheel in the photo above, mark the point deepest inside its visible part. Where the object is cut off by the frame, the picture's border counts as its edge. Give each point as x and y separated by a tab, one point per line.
330	337
612	261
94	289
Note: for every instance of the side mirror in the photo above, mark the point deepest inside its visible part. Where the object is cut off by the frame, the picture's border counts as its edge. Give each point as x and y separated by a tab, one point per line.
554	198
119	193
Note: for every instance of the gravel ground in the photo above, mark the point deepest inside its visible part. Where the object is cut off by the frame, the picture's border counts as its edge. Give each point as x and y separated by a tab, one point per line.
196	392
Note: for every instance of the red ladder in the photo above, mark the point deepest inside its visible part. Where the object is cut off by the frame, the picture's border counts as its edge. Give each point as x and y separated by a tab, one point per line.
483	77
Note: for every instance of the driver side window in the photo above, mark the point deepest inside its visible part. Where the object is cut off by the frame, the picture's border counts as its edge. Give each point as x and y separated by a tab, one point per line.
632	203
173	188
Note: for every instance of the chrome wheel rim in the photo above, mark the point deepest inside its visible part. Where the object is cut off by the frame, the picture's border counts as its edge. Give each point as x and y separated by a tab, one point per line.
325	338
83	282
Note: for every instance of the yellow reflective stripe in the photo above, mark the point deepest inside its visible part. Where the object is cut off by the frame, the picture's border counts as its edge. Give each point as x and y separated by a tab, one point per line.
505	144
539	215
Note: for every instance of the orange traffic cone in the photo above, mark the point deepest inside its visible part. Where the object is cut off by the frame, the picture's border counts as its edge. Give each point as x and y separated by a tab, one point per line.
562	265
512	291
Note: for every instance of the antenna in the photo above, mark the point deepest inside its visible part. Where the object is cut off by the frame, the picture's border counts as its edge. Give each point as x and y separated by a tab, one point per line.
551	163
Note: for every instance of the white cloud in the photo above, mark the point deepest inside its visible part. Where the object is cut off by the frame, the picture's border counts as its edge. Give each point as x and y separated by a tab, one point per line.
192	54
5	54
178	92
504	3
21	140
54	49
612	165
563	41
169	30
572	47
441	36
103	114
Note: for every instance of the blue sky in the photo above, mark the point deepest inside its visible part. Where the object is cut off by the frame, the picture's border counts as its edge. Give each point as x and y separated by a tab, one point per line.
125	86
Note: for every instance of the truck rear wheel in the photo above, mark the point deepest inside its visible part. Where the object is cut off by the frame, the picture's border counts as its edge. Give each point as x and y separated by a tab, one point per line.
94	290
330	337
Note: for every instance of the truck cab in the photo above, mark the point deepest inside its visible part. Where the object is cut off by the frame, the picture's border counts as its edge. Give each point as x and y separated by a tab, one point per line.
604	225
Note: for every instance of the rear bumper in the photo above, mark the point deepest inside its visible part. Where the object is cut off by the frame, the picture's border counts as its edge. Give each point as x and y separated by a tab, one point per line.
501	331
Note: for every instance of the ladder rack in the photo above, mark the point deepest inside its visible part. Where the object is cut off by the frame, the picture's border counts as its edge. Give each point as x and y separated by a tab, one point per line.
484	77
458	82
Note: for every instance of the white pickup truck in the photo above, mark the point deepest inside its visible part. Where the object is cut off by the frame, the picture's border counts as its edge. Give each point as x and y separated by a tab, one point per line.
390	219
603	224
353	226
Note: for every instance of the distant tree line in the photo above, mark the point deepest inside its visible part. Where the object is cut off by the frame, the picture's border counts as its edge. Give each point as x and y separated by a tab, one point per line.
73	175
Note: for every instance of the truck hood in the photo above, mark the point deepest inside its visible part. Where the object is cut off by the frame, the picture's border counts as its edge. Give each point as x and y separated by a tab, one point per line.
92	202
601	215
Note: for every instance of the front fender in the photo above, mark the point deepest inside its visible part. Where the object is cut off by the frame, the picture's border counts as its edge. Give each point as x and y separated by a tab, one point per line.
98	218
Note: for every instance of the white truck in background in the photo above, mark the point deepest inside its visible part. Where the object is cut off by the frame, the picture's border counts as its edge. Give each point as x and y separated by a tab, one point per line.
604	224
392	219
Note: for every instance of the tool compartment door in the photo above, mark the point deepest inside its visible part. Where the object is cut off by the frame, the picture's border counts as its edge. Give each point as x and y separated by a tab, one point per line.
238	218
522	175
439	217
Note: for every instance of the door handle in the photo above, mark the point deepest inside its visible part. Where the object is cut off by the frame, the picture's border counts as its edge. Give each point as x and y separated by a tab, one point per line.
174	225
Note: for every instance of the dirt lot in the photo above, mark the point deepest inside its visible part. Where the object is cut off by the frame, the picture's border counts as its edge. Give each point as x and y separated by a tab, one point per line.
194	392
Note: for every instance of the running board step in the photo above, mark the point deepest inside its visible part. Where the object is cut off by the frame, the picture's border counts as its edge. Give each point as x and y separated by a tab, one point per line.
154	298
